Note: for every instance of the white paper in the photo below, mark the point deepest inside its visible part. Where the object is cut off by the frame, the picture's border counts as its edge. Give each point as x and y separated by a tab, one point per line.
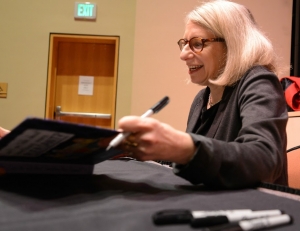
86	85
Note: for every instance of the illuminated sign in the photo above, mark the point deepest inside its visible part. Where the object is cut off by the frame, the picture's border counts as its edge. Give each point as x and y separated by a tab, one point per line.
85	10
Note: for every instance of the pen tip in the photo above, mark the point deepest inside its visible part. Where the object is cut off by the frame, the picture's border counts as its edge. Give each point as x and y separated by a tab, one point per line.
108	148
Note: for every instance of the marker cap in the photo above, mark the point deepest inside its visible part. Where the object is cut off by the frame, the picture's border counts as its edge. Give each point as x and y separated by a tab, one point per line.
208	221
172	217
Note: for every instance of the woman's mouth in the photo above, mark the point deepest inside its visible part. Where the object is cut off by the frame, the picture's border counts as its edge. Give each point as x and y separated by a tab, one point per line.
194	68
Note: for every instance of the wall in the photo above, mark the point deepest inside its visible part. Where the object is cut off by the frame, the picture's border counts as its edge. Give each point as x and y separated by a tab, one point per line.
149	64
158	71
293	128
24	42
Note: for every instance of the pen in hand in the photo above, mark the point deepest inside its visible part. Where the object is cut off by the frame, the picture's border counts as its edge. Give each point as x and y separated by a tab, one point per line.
156	108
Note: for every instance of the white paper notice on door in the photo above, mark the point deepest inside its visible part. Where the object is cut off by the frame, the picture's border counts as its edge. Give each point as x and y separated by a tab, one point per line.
86	85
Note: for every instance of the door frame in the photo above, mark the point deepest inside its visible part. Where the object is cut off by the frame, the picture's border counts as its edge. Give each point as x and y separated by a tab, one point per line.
54	39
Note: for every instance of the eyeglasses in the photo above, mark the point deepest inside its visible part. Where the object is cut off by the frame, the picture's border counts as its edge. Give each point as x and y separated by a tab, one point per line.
196	44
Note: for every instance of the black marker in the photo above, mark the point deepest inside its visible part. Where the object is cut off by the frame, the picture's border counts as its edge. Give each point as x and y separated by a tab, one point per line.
232	218
156	108
182	216
254	224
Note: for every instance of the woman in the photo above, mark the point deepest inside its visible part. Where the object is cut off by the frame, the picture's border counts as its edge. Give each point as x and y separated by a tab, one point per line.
235	134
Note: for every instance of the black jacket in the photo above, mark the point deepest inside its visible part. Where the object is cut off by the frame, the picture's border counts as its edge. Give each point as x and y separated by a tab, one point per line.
246	143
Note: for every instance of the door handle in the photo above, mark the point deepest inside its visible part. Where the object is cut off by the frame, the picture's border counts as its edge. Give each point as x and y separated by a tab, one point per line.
59	113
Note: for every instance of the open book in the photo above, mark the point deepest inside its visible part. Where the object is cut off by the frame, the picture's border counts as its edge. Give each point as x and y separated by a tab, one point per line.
54	147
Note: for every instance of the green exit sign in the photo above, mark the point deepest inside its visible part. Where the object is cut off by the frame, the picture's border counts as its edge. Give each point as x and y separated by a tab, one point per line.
85	10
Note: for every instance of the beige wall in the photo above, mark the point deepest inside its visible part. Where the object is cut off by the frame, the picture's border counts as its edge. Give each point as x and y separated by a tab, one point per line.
24	42
293	128
149	64
158	70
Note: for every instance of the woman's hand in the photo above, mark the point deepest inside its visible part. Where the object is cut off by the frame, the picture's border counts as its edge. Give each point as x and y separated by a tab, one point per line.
153	140
3	132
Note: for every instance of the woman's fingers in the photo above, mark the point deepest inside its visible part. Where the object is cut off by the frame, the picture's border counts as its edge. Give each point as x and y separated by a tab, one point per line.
135	124
3	132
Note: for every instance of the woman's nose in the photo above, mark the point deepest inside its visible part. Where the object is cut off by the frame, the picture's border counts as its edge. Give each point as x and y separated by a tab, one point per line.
186	53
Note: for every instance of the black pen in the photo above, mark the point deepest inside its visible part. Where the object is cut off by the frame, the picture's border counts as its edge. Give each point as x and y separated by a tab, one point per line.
232	217
156	108
254	224
182	216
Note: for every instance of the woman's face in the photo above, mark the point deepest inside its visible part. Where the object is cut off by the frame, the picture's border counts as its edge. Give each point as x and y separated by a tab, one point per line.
208	63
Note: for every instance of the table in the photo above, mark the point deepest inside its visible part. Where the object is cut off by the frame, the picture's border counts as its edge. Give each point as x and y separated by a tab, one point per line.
120	195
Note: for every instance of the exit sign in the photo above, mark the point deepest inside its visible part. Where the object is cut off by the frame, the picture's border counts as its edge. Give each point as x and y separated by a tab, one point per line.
85	10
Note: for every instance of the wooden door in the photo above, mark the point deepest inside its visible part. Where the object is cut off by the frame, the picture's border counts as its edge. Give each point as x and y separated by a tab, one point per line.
82	79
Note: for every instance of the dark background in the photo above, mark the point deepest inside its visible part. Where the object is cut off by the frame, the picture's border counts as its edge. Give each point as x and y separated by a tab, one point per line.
295	48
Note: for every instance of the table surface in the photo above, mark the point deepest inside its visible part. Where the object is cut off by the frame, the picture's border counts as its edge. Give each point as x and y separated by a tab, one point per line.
120	195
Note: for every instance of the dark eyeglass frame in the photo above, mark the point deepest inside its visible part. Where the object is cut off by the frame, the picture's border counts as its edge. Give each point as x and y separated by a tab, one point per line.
182	42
